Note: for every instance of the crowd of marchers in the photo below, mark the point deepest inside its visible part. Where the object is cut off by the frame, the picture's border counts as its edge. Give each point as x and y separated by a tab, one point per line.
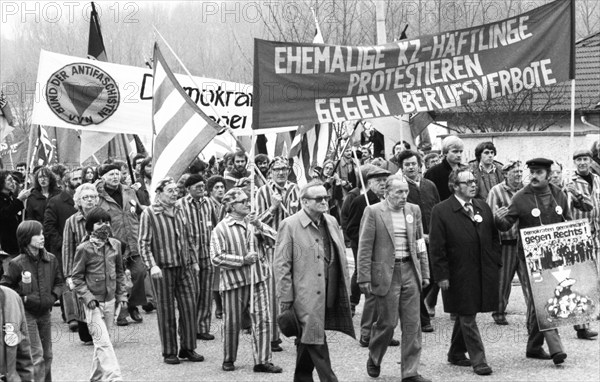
268	257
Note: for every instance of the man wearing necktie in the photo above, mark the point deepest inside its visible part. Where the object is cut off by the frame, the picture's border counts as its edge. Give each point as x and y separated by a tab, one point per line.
465	256
393	266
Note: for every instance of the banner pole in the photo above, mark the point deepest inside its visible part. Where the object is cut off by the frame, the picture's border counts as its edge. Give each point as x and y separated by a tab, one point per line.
572	135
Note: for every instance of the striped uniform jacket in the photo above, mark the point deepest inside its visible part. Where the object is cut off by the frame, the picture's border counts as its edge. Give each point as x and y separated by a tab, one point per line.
580	209
290	196
164	239
500	196
201	219
73	235
229	245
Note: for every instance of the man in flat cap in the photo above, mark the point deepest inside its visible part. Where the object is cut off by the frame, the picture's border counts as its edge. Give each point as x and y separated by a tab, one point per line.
585	187
123	206
168	251
275	201
375	192
538	203
501	196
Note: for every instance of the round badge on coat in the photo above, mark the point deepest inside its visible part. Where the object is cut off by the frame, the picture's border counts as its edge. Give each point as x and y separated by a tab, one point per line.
409	218
535	212
478	218
558	210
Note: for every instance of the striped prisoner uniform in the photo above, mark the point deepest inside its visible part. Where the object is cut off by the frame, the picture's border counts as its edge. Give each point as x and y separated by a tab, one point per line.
164	241
219	214
228	246
588	206
500	196
290	196
201	219
73	235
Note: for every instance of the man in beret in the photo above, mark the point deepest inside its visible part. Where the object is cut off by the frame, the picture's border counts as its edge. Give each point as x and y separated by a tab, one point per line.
122	204
200	215
167	250
275	201
375	190
585	186
535	204
501	196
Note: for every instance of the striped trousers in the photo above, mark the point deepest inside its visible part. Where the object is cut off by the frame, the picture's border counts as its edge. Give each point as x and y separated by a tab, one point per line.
235	301
273	301
511	263
205	284
181	284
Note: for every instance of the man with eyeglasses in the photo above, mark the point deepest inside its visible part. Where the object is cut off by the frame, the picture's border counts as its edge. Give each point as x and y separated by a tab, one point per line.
201	218
375	193
465	257
393	267
311	272
244	272
121	202
275	201
167	250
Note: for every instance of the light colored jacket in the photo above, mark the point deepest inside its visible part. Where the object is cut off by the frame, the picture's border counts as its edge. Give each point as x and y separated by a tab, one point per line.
299	266
376	246
19	365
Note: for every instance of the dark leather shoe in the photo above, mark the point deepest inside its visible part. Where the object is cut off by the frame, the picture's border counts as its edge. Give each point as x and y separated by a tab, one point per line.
540	354
460	362
135	315
190	355
267	368
171	359
482	369
275	347
363	342
559	357
372	369
394	342
228	366
586	334
73	326
205	336
122	321
500	321
149	307
427	328
416	378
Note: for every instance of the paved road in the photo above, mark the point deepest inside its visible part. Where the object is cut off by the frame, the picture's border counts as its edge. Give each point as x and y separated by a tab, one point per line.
138	351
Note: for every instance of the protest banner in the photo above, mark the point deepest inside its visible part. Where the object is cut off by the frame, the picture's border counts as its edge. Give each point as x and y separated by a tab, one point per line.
561	263
85	94
307	84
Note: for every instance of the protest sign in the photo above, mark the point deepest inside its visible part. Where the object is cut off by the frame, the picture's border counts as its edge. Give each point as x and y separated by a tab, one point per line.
561	263
84	94
306	84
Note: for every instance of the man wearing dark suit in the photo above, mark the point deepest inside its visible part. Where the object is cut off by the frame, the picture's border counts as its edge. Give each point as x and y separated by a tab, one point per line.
465	256
393	265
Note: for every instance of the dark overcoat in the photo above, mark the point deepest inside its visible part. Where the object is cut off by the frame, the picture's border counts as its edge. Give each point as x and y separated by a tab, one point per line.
467	253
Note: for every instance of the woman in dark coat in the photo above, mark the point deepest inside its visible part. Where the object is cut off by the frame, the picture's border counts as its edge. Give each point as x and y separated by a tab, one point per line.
44	187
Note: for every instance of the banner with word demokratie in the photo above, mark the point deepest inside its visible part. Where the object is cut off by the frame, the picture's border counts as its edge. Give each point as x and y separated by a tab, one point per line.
561	263
304	84
80	93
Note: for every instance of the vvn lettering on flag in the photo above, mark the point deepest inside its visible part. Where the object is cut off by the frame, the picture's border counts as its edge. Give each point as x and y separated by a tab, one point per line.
306	84
181	129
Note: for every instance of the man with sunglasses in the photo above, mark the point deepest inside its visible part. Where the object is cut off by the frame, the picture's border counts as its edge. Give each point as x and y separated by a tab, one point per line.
311	272
168	252
244	274
465	256
275	201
